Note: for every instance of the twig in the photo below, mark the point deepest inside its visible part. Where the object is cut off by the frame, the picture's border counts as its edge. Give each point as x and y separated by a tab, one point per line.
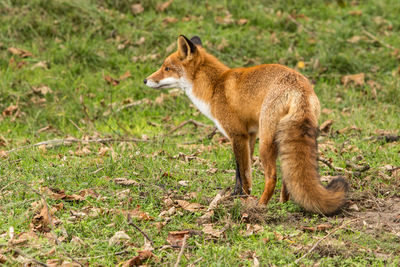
181	252
386	138
195	123
58	142
130	222
51	223
323	238
338	169
206	217
20	252
76	126
370	35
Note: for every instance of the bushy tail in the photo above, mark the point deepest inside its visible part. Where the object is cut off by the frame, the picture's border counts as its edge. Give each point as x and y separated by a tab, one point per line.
296	139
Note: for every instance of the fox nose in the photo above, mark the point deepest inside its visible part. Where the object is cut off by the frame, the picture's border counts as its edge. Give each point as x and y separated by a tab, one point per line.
145	81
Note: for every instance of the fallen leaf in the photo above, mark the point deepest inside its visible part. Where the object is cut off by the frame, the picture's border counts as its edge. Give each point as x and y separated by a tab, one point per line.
242	22
355	13
326	126
41	221
3	154
278	236
43	90
138	260
170	48
138	214
252	229
326	111
3	259
118	237
357	79
169	20
355	39
192	207
111	80
137	9
184	183
10	110
175	238
40	64
225	20
354	207
125	181
163	6
20	52
208	229
224	43
125	76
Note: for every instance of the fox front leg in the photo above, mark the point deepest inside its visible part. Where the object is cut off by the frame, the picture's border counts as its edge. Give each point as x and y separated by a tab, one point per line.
238	190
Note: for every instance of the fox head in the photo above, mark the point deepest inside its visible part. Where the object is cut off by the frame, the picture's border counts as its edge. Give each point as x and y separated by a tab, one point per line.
178	66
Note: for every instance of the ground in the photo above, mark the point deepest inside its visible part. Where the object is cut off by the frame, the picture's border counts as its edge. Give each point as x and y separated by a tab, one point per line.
97	169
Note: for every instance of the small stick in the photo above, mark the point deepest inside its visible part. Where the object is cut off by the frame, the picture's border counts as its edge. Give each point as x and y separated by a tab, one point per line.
370	35
58	142
195	123
130	222
20	252
338	169
319	241
181	252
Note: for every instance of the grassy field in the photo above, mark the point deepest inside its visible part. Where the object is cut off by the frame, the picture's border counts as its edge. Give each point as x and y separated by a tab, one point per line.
72	71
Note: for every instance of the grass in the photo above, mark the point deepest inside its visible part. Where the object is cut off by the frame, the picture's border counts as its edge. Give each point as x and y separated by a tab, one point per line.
81	42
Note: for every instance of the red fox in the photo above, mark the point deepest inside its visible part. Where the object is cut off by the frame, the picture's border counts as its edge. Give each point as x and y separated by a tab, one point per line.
270	101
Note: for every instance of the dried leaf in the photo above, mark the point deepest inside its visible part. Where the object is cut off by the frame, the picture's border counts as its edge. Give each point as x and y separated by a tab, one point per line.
137	9
111	80
208	229
10	110
278	236
125	76
43	90
357	79
225	20
20	52
355	13
169	20
170	48
224	43
125	181
175	238
192	207
3	154
252	229
326	126
163	6
118	237
41	221
355	39
138	214
138	260
40	64
242	22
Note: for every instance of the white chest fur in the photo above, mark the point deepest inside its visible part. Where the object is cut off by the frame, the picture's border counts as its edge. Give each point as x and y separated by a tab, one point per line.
200	104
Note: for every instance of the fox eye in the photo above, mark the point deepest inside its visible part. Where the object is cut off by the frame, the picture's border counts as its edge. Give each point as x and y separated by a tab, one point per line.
167	68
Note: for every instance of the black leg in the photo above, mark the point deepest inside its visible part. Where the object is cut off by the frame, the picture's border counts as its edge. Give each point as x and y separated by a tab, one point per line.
238	184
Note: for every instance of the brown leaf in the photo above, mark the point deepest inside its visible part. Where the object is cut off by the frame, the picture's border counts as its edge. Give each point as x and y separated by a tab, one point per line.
355	13
3	259
208	229
169	20
326	111
357	79
326	126
278	236
224	43
252	229
170	48
138	260
355	39
225	20
43	90
10	110
125	181
125	76
163	6
242	22
20	52
192	207
110	80
175	238
40	64
138	214
41	221
3	154
118	237
137	9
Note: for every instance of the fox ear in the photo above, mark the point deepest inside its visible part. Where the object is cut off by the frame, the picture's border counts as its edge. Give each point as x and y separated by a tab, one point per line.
186	49
196	40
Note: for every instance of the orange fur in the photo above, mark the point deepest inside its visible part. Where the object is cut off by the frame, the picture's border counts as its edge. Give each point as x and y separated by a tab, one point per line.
271	100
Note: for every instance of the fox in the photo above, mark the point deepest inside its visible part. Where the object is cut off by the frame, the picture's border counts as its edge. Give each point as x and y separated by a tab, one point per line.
272	103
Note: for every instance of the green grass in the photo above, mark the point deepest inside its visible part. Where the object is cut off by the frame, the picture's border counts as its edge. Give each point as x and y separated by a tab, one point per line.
80	43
